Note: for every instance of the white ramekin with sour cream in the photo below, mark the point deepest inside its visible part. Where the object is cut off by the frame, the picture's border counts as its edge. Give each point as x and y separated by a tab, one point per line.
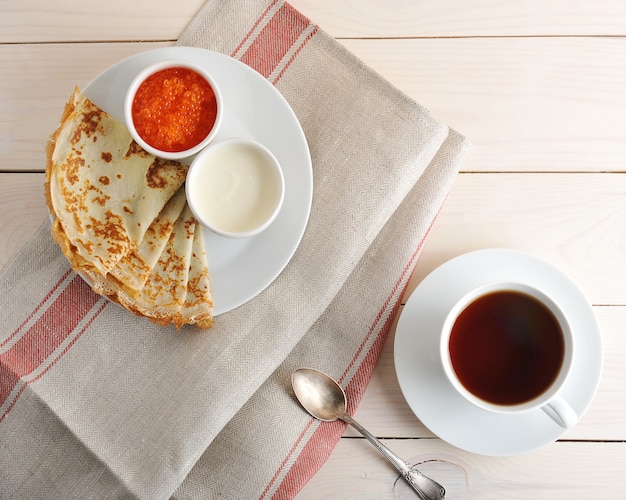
235	187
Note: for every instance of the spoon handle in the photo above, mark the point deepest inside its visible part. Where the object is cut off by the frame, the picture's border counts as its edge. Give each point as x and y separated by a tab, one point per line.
426	488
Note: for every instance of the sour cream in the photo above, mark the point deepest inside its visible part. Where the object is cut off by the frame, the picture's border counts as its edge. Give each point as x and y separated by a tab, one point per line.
235	187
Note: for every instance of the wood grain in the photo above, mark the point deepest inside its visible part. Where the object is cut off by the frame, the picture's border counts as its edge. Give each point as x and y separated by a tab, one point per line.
538	87
22	211
76	20
33	103
119	20
561	471
527	104
575	221
447	18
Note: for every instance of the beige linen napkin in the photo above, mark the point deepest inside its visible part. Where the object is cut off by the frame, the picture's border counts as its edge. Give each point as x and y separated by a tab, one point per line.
97	403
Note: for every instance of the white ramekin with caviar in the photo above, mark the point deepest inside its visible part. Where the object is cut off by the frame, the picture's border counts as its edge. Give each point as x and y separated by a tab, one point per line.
173	109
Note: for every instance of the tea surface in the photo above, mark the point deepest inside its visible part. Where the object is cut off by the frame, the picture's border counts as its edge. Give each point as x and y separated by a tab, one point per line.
506	347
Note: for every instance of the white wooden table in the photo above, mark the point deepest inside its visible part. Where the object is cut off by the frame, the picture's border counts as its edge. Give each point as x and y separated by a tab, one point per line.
540	89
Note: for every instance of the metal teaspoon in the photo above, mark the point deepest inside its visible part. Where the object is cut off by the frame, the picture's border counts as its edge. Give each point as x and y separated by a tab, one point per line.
324	398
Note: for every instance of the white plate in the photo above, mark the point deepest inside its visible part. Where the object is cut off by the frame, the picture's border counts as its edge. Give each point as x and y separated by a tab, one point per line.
420	373
254	109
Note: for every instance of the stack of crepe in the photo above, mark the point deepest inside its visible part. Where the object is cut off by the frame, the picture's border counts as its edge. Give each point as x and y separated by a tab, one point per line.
120	217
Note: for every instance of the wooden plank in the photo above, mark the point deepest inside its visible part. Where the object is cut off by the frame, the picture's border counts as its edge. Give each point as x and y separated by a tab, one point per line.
33	103
575	221
22	211
74	20
527	104
439	18
559	471
543	104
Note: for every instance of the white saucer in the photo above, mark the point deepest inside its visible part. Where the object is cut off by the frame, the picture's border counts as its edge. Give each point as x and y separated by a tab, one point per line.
421	376
254	109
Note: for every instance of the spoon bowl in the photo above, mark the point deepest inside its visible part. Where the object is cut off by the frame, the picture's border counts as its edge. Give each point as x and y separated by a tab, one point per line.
324	399
319	394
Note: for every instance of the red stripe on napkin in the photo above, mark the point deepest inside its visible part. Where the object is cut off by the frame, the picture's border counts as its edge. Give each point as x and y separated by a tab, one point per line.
309	461
268	47
255	26
36	310
39	341
271	45
295	53
321	444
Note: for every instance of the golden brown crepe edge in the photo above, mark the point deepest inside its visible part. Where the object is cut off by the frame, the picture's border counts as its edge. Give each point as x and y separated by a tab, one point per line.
56	229
108	285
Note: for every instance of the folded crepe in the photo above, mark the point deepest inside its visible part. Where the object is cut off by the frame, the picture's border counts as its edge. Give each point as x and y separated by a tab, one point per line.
198	306
164	296
103	189
134	269
121	219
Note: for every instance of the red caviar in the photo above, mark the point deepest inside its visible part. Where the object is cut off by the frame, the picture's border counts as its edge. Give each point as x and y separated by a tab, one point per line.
174	109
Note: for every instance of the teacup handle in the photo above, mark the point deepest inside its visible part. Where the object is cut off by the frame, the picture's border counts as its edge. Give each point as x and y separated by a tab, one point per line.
561	412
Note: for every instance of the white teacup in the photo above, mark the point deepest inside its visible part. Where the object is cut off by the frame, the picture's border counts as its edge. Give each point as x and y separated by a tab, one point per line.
508	348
